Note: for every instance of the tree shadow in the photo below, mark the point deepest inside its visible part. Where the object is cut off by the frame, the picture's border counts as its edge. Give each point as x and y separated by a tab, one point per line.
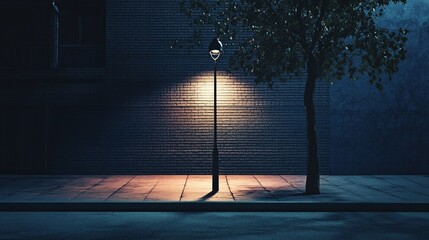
276	195
266	195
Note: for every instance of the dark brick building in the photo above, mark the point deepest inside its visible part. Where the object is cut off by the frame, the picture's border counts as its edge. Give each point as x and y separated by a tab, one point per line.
103	93
96	89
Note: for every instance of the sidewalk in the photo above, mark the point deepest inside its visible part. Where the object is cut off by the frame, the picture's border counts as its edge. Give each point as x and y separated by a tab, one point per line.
192	193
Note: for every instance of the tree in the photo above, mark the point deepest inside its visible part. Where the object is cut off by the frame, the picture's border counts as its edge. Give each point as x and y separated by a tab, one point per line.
324	39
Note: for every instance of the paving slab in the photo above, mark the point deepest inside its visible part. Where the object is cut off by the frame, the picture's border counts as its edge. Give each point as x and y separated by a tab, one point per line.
375	192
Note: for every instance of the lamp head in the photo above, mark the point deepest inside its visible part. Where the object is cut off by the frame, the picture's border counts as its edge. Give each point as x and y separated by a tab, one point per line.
215	48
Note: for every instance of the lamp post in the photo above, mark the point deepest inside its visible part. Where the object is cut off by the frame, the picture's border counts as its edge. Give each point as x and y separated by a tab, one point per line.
215	49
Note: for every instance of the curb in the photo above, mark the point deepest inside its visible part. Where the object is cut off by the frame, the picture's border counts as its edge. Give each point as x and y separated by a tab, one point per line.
209	207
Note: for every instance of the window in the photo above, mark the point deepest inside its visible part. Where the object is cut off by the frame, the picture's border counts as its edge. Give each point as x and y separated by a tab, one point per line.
82	29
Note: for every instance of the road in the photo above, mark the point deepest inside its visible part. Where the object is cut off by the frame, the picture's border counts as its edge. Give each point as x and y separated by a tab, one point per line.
223	225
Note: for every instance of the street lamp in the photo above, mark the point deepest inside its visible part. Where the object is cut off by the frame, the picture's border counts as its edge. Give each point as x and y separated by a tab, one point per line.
215	49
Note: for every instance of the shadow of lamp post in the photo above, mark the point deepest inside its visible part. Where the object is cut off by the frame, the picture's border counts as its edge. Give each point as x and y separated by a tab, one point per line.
215	49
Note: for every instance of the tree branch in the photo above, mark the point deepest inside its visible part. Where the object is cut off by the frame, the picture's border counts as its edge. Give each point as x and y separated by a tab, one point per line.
302	30
318	30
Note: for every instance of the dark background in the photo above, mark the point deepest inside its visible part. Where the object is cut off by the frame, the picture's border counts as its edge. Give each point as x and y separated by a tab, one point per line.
387	132
122	102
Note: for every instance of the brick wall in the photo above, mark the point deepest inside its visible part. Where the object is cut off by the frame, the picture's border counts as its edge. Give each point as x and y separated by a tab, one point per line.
169	129
153	112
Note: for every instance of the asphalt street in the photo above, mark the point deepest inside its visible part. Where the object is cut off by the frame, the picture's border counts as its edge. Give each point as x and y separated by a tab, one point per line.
215	225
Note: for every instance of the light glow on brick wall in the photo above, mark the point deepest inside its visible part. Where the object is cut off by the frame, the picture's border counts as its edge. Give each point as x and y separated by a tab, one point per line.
204	89
236	99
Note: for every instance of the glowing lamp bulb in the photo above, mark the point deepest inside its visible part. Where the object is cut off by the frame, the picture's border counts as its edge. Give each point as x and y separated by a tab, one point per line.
215	48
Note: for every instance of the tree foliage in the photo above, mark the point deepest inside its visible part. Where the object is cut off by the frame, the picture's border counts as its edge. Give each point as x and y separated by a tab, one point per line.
272	38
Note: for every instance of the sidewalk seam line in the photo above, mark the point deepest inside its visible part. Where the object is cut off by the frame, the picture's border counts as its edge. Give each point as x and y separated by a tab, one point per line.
291	184
402	187
271	193
374	188
345	189
184	186
229	188
417	183
98	183
119	188
151	189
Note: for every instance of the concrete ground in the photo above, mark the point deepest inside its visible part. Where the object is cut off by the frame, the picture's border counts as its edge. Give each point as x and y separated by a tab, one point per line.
253	193
237	193
237	226
196	188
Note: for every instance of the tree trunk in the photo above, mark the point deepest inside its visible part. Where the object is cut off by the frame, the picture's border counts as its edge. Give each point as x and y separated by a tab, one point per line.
312	185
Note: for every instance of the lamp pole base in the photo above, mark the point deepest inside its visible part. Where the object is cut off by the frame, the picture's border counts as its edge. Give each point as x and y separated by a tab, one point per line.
215	170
